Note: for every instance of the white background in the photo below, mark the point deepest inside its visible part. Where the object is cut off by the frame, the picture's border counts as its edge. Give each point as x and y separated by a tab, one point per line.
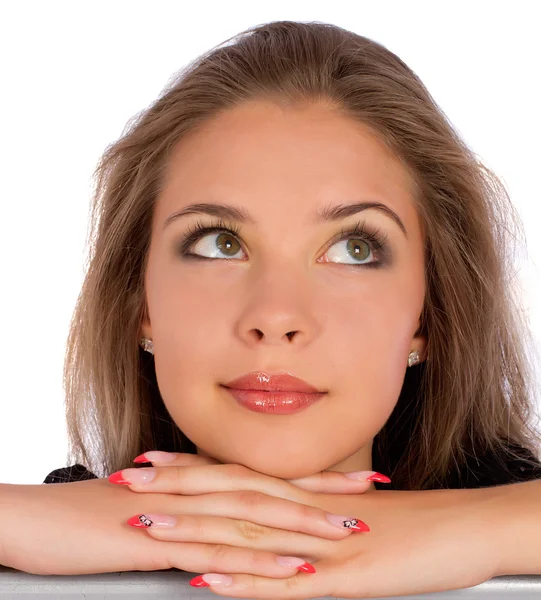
73	74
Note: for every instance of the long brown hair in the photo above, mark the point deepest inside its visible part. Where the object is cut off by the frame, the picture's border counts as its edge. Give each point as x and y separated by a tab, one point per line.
473	394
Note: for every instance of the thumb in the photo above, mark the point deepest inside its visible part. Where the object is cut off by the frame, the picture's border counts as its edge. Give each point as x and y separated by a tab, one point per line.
334	482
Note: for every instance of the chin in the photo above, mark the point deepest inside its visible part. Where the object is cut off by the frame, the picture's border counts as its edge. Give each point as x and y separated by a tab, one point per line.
282	471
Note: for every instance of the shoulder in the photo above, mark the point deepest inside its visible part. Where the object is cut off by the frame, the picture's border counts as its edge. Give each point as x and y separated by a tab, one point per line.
75	472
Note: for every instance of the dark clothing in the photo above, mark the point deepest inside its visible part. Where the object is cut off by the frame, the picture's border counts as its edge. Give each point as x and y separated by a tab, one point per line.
69	474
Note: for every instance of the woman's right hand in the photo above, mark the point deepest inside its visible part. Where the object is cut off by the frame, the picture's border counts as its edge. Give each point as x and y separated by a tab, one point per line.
80	528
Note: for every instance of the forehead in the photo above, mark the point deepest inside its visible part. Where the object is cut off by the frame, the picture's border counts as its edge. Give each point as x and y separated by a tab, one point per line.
260	154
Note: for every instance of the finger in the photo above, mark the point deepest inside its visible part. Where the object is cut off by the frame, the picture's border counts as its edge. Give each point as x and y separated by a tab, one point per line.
252	496
197	558
174	459
301	585
333	482
209	529
203	479
260	509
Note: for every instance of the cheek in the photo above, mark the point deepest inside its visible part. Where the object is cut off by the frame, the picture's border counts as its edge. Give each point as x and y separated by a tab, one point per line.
371	340
188	318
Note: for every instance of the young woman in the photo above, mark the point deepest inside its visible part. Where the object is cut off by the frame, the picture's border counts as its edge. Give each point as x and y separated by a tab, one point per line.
295	216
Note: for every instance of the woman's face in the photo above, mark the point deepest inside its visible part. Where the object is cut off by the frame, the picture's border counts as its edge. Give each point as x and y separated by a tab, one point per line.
351	326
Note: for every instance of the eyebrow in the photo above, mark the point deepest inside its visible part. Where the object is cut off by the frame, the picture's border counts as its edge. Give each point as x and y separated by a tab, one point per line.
327	215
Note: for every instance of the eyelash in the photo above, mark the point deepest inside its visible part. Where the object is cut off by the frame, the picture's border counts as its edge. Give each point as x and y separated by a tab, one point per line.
375	239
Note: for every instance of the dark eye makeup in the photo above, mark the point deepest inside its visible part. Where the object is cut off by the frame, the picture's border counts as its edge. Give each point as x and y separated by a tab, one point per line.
371	236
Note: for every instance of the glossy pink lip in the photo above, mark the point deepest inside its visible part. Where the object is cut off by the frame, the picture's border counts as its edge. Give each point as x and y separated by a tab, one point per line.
278	403
280	394
281	382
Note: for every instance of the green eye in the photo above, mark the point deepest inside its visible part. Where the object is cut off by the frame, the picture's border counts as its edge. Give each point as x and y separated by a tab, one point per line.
361	243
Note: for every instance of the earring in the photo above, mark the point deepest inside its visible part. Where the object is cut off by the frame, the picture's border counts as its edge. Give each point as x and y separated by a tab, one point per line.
147	345
413	358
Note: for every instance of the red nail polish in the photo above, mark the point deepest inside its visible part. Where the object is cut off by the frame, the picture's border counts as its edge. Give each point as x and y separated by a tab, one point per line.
141	459
199	582
117	478
307	568
379	477
139	521
356	525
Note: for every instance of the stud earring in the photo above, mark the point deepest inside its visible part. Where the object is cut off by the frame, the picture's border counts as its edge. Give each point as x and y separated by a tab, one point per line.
413	358
147	345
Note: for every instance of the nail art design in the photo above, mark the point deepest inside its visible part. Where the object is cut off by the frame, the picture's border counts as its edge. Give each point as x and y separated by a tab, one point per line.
351	523
152	520
139	521
347	522
355	524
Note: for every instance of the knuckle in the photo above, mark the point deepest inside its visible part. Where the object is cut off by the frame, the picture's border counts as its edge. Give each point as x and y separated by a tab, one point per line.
191	526
251	531
235	470
293	582
306	513
251	499
178	473
218	556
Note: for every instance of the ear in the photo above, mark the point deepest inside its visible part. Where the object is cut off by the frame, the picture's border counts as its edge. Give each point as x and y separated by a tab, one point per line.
145	331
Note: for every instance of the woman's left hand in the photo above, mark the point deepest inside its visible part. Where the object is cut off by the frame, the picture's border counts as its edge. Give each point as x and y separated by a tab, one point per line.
328	482
420	542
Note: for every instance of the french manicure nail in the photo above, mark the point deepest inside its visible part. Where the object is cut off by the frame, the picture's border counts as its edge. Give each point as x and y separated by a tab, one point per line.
131	476
152	520
347	522
154	456
296	563
368	476
211	579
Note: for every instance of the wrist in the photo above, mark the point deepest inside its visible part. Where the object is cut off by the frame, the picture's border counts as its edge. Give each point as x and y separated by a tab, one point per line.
516	522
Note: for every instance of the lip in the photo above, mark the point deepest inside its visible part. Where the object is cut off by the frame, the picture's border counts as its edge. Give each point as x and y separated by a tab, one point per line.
279	394
277	403
266	382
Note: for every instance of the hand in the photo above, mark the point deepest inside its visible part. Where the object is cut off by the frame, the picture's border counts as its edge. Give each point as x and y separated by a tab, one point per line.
235	519
420	542
80	527
329	482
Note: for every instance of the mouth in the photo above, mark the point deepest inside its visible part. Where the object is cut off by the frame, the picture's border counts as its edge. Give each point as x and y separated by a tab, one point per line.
279	394
276	383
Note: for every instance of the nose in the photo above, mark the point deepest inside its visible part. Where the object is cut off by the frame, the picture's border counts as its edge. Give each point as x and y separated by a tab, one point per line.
279	310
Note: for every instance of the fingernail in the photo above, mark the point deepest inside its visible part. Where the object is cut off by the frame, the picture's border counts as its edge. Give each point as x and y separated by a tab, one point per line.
131	476
211	579
347	522
155	456
297	563
368	476
152	520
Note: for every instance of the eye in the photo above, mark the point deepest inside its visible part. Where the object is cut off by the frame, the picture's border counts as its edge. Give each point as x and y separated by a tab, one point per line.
225	241
357	244
356	249
213	244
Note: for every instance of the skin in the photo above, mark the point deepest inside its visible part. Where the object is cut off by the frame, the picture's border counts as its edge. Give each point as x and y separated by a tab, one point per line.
213	321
